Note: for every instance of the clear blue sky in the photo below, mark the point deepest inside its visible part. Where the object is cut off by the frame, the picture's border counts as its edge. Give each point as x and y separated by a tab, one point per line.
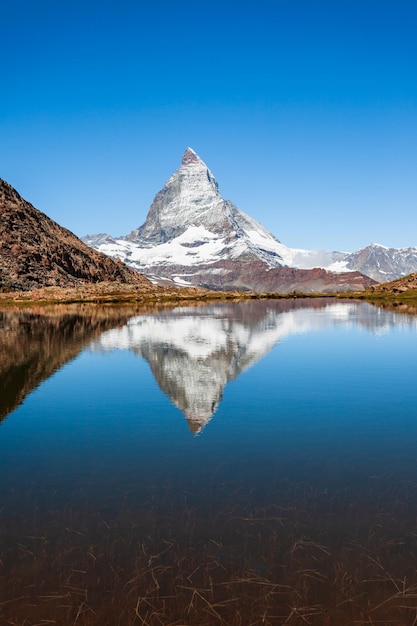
305	111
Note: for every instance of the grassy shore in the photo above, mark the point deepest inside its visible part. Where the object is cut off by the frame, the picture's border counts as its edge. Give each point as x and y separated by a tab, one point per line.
399	293
115	293
408	298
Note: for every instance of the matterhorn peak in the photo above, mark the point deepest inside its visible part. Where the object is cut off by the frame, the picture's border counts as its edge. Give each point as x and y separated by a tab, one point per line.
190	198
193	236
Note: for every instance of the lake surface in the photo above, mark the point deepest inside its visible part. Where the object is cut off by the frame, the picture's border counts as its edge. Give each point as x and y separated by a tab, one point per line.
238	463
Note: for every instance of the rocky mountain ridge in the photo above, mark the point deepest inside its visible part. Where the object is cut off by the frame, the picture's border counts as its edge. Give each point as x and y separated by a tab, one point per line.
192	236
36	251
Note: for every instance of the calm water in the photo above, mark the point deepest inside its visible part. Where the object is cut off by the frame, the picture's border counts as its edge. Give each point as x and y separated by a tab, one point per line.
245	463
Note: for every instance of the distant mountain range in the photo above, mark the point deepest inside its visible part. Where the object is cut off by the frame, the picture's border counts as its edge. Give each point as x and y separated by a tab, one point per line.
35	251
192	236
381	263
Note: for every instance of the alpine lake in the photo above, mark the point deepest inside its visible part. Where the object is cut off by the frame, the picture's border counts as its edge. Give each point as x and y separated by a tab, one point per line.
239	463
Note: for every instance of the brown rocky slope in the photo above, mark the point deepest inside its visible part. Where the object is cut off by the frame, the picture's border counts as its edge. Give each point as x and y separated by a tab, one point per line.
36	252
401	285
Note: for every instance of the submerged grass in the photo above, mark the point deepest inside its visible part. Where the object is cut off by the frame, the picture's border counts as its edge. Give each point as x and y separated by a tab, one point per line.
306	557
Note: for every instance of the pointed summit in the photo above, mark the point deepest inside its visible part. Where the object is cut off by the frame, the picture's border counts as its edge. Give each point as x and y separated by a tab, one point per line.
190	198
190	156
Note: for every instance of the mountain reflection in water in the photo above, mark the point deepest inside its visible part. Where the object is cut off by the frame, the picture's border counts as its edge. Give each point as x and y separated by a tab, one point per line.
193	352
36	342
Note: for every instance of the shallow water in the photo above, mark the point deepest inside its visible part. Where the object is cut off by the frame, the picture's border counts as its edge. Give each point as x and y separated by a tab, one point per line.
240	463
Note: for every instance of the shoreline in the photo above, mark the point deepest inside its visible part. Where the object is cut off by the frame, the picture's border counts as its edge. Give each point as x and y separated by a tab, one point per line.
113	293
116	294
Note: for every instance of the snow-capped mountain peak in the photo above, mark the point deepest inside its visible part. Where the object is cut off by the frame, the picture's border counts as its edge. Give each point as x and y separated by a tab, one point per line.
189	223
192	235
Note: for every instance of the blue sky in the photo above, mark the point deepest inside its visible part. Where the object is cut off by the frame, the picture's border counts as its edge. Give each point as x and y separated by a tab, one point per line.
305	111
